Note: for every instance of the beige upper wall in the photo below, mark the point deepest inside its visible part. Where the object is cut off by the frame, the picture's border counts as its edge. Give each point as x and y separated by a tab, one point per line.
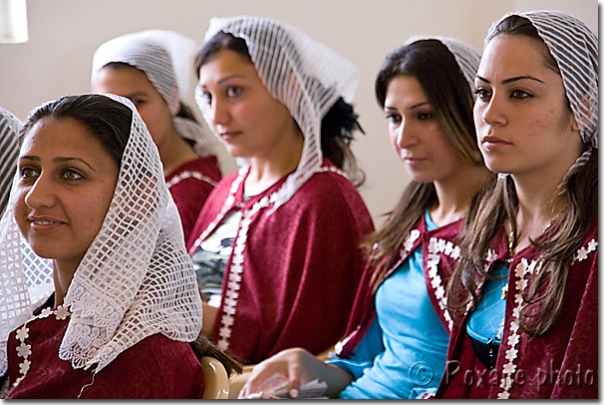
65	33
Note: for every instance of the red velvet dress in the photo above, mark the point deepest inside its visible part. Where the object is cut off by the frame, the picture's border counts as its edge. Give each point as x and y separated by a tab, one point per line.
293	274
190	185
156	367
439	254
562	363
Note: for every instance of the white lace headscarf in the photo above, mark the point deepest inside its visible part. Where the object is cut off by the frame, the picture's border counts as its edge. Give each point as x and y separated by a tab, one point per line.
574	46
9	151
134	281
303	74
467	58
166	57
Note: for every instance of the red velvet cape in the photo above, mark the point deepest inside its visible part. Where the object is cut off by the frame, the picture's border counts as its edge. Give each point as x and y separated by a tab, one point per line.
301	266
190	188
562	363
155	367
439	253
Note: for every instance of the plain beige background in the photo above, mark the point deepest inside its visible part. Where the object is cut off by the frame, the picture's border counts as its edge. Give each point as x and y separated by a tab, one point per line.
63	35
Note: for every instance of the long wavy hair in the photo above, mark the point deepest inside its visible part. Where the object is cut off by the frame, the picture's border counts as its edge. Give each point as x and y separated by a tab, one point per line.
435	67
577	193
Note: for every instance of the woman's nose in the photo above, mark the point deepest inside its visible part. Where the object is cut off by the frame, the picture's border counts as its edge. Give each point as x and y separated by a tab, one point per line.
41	193
404	135
492	112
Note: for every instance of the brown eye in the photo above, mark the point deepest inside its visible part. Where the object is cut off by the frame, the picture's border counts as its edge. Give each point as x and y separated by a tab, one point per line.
71	175
27	172
234	91
482	94
393	118
519	94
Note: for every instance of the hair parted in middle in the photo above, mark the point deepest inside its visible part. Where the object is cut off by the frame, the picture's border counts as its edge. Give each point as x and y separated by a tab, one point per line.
450	92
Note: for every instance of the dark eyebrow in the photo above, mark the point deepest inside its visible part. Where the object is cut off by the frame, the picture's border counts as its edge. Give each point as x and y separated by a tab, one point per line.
224	79
418	105
408	108
58	160
68	159
511	79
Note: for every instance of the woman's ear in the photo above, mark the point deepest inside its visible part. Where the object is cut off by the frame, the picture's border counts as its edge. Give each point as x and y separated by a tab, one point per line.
574	125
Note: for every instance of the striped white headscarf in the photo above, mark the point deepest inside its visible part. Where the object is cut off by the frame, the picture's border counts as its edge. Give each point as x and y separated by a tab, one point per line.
166	57
574	46
467	58
9	151
303	74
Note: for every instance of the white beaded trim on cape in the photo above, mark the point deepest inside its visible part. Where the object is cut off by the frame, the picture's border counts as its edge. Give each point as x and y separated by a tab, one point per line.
187	174
435	247
25	350
521	270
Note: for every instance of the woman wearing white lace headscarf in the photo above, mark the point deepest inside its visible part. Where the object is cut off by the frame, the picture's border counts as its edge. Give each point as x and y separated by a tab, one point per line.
9	150
92	247
153	69
525	293
285	229
397	335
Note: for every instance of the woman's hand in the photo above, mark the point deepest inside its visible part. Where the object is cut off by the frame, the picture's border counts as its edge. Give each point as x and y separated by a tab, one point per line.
294	367
291	367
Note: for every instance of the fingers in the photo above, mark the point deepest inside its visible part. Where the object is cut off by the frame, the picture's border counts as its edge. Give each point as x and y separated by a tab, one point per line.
282	370
264	378
294	374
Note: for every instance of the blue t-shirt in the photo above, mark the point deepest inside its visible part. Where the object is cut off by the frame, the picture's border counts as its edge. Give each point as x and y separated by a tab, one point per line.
486	322
403	353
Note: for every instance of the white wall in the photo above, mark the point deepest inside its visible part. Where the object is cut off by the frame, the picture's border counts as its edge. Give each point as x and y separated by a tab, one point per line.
65	33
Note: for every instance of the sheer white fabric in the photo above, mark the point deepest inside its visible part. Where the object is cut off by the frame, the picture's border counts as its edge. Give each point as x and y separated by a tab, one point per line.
303	74
166	57
9	150
467	58
574	46
135	280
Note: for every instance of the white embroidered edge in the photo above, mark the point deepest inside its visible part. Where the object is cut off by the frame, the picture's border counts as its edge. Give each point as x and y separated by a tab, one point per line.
187	174
24	350
435	247
522	269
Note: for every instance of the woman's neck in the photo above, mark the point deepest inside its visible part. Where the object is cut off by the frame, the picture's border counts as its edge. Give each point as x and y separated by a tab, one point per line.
455	195
536	210
175	152
266	171
62	277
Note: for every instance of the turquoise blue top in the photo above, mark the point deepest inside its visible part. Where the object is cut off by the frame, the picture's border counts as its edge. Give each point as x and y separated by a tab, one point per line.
403	353
486	322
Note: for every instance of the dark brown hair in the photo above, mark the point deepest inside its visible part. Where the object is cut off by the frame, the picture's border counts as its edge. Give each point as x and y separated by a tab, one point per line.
107	120
578	205
435	67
